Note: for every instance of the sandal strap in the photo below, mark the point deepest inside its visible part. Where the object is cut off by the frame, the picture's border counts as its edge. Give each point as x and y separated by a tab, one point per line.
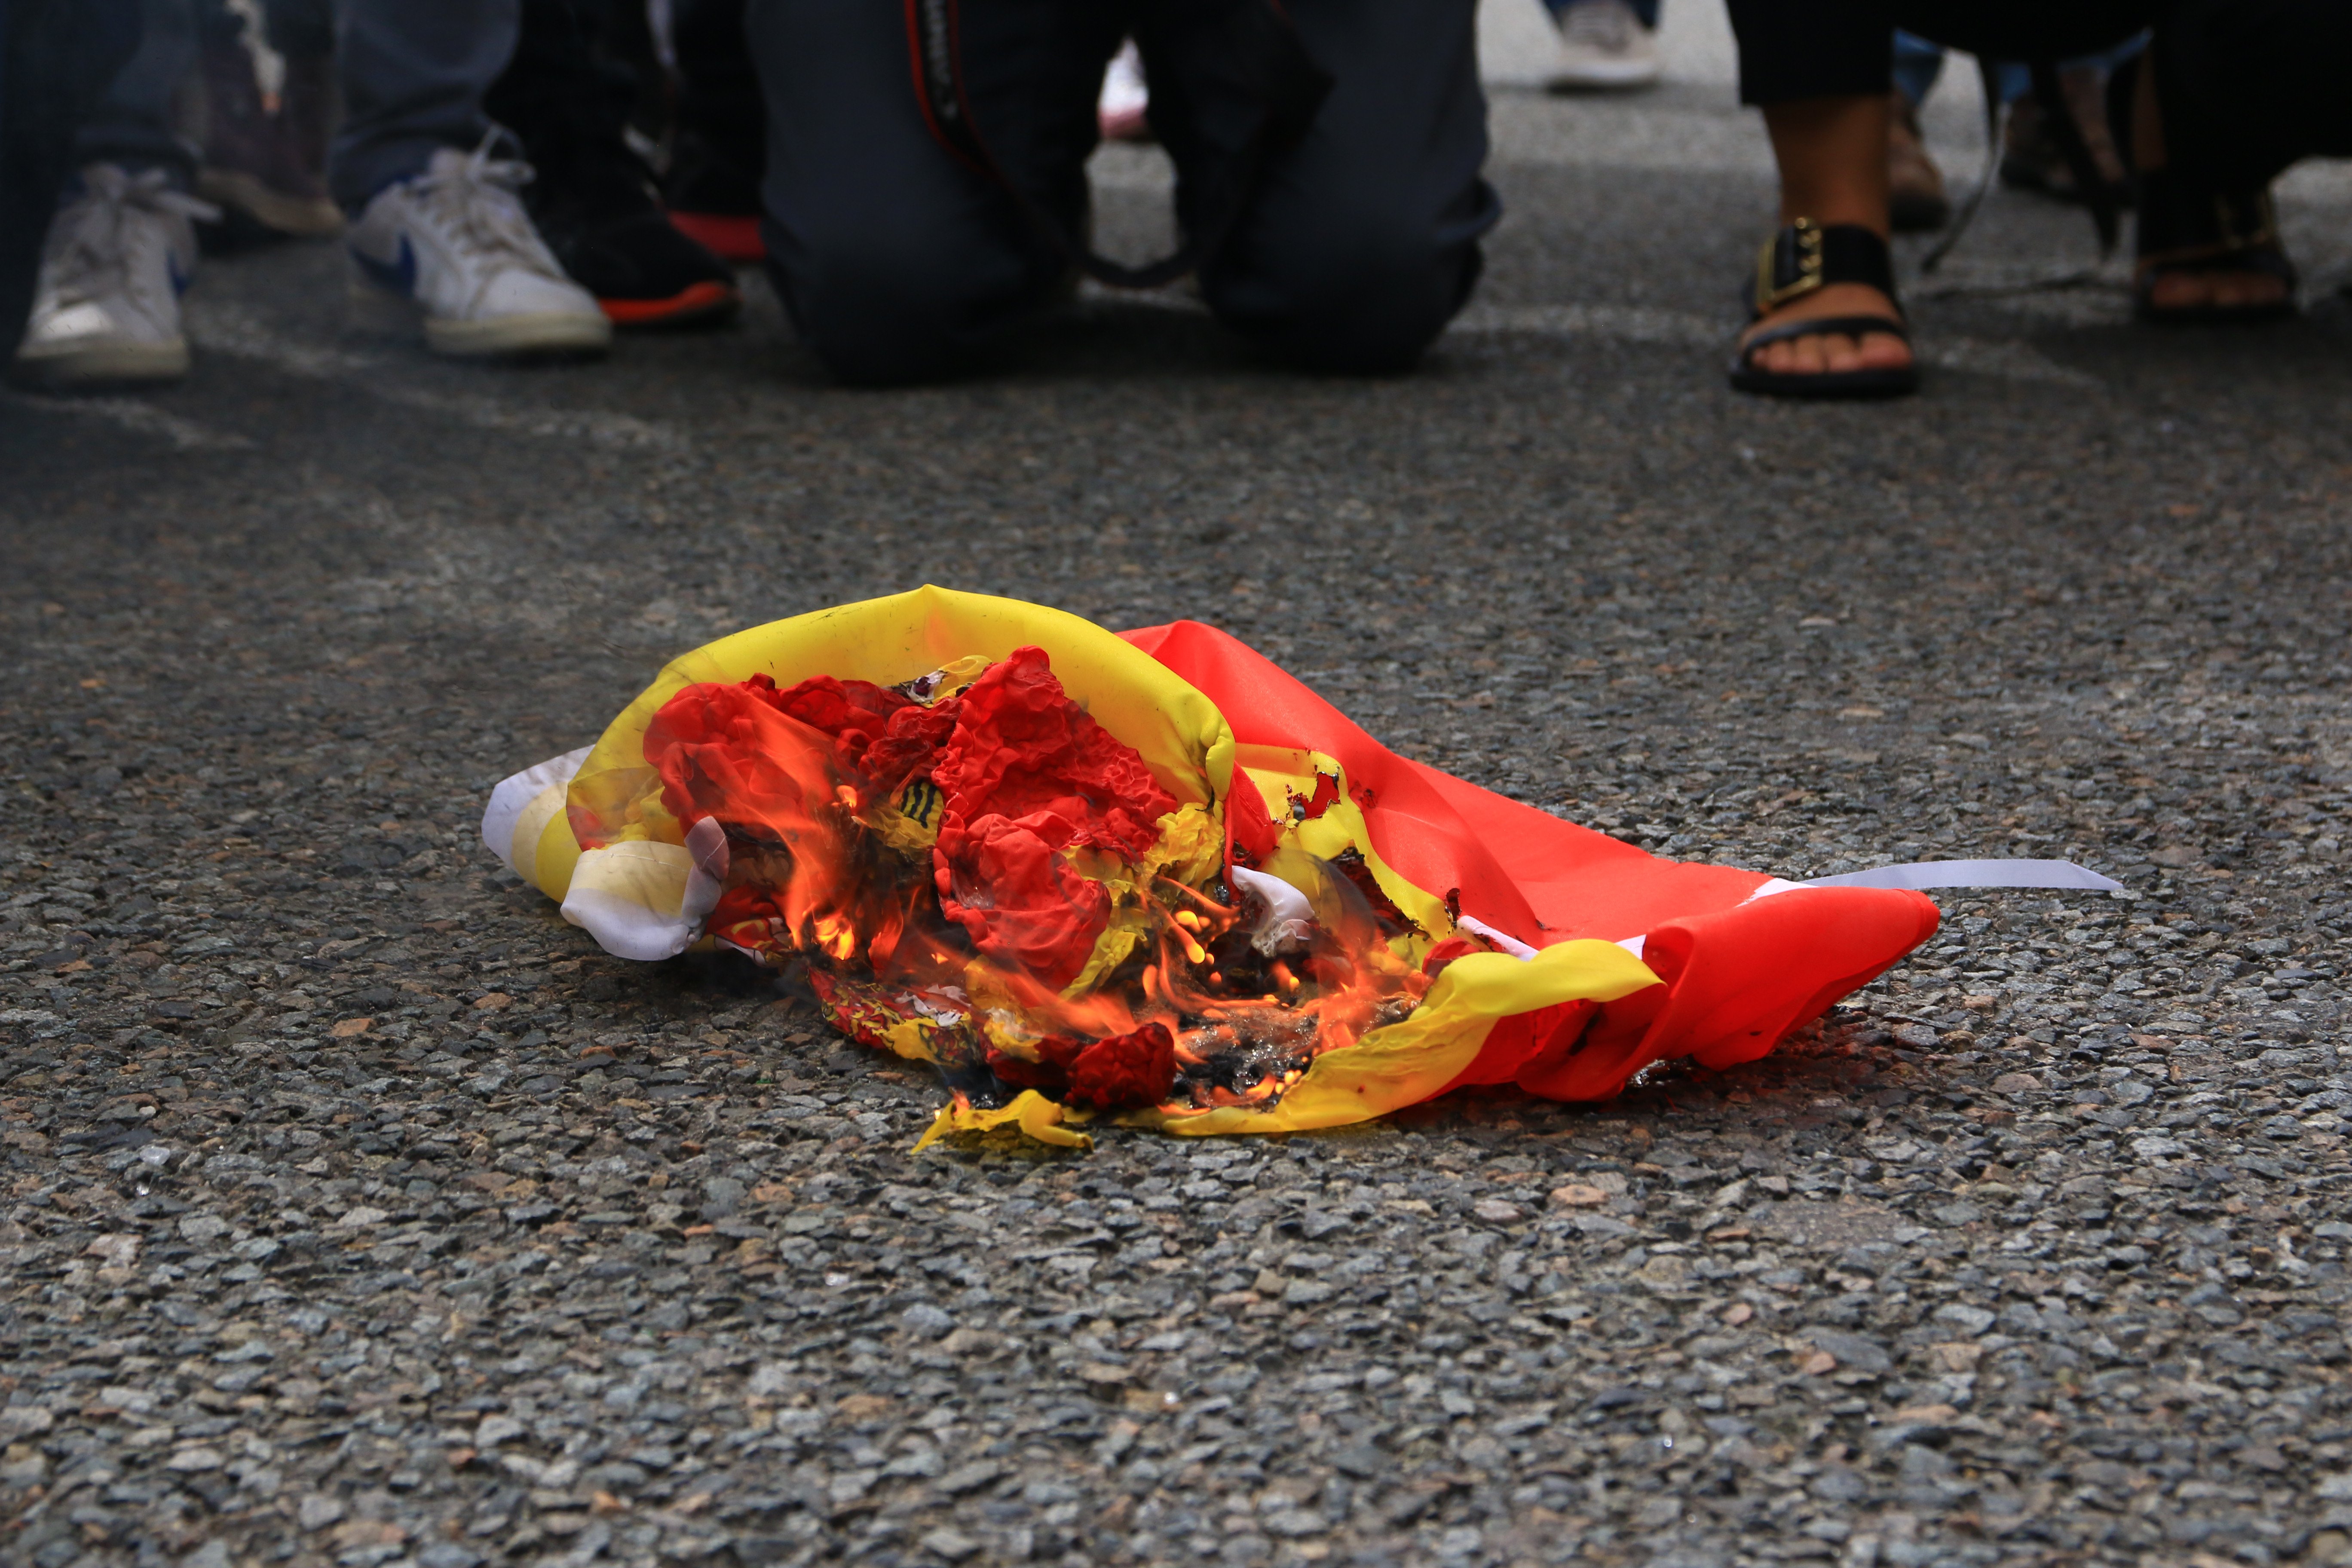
1807	257
2188	222
1821	326
2268	260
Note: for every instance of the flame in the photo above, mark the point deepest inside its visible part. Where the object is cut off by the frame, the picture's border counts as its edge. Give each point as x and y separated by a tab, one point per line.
823	868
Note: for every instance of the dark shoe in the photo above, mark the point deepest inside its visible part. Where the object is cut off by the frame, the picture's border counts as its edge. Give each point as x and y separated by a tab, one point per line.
1799	260
2185	228
604	225
257	165
1914	185
592	198
713	195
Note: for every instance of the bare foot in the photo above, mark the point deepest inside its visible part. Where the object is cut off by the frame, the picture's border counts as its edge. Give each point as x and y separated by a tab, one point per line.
2216	291
2188	289
1831	352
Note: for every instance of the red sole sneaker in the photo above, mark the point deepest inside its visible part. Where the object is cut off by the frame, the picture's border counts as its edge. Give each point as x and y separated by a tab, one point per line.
697	302
730	237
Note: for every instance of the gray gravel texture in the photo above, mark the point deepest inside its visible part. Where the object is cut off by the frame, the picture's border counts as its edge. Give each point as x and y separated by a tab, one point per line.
359	1211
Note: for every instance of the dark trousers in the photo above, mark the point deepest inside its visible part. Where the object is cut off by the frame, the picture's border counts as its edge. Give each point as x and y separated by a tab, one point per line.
900	263
56	59
2248	87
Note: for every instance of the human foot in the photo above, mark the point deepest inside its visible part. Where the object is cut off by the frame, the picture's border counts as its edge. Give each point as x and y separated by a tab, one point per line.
2204	255
1827	324
1815	353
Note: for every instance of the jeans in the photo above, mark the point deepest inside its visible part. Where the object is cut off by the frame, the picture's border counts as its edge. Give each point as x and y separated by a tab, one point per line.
415	73
56	59
132	123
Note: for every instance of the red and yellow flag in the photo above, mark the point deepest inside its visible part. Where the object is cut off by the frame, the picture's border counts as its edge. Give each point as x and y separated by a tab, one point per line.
1152	878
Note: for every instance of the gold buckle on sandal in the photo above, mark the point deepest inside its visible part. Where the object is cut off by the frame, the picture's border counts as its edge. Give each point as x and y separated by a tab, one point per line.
1809	268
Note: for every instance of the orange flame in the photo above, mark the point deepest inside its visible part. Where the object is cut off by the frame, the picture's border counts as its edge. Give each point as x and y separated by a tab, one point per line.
822	867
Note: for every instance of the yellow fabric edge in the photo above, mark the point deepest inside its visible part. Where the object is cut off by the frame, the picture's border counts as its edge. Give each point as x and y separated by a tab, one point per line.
1040	1118
556	856
1411	1060
896	638
1341	827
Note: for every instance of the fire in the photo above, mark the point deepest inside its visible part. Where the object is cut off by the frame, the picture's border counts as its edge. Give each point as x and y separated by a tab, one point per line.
976	874
1153	894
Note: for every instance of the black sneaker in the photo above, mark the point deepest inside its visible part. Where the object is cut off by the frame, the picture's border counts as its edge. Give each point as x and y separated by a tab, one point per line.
592	198
715	199
601	218
718	152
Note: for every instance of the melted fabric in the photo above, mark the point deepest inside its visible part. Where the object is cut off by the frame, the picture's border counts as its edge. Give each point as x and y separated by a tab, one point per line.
1157	879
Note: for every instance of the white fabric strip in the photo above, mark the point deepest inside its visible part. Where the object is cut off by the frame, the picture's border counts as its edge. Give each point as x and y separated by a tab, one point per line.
1921	874
1288	921
514	797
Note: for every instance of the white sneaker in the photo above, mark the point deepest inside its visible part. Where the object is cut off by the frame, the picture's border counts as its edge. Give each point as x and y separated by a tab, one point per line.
119	253
1604	48
453	247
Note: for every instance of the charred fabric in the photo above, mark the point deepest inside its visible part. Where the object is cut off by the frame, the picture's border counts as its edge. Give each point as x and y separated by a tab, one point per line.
1151	877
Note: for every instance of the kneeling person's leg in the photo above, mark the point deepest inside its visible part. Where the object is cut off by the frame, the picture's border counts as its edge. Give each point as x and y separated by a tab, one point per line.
1362	239
896	260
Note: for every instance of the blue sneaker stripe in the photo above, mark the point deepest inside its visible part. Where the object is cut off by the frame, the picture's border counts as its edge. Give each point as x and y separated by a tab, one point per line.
399	276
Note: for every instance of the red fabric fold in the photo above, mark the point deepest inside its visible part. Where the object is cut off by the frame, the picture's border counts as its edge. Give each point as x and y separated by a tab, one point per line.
1739	976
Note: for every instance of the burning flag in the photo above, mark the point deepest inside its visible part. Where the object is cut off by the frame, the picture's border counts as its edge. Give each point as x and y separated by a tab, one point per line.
1153	878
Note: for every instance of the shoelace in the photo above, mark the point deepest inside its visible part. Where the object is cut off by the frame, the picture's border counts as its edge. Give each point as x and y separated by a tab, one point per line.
91	248
1603	25
478	203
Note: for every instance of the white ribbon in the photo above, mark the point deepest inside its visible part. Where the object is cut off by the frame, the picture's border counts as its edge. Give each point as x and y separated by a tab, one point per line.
1920	875
1508	944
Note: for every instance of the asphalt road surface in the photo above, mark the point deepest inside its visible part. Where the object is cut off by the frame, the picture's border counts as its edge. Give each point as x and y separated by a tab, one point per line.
359	1211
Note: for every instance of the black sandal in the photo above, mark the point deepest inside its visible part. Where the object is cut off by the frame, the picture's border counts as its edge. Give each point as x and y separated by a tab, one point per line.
2186	229
1802	259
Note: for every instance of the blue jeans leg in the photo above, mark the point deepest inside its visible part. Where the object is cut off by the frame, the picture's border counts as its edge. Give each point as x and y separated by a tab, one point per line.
132	123
414	73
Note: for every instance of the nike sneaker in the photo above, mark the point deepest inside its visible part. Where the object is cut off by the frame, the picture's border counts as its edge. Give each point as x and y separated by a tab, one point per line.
453	249
106	310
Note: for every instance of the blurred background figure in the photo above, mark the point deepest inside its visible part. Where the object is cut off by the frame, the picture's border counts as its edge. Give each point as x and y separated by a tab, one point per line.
1914	187
2225	97
260	111
1605	45
717	148
56	60
2033	156
121	244
567	96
